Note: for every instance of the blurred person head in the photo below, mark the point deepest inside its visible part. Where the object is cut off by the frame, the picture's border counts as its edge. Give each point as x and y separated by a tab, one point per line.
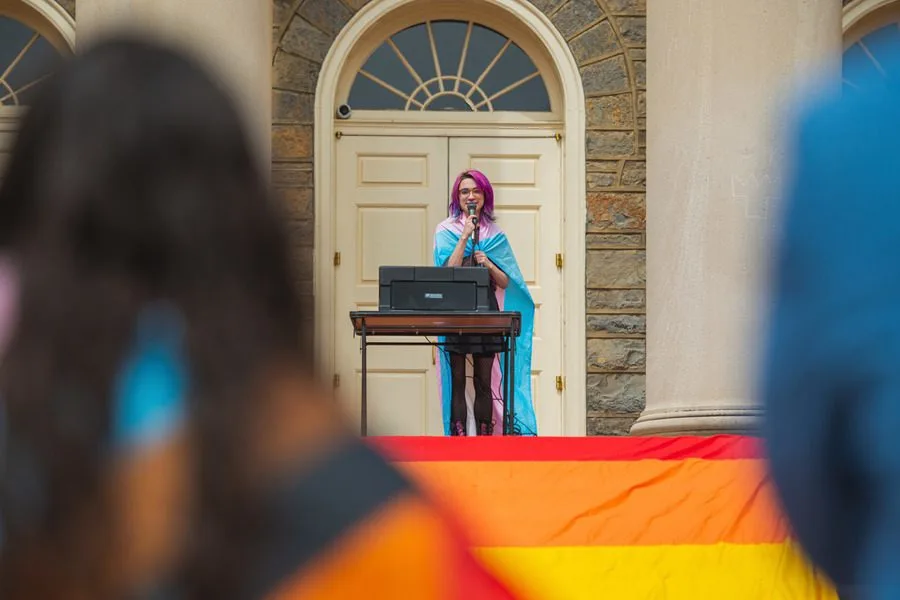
161	333
829	383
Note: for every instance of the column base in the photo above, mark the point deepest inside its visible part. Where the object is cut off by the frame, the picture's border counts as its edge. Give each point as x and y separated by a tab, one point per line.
698	421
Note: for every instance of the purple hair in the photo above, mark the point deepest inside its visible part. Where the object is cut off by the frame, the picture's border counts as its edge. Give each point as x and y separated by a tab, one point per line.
487	210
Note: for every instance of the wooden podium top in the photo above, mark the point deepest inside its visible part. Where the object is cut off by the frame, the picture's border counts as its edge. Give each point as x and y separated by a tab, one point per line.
436	323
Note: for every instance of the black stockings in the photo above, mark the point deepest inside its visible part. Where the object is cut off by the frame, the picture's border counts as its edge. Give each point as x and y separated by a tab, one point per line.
483	365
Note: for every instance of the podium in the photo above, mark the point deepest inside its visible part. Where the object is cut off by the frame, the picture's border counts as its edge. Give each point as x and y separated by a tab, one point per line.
505	324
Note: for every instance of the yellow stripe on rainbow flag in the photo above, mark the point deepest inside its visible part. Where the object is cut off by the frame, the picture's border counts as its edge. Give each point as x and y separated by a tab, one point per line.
676	572
622	518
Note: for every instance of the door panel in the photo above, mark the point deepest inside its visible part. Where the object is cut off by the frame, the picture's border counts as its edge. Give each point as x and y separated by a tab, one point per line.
525	174
391	194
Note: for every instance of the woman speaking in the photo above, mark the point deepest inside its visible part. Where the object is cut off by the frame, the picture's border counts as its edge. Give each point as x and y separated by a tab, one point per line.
472	212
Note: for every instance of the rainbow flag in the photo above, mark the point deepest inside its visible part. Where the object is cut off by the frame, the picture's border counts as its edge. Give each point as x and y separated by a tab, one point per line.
587	518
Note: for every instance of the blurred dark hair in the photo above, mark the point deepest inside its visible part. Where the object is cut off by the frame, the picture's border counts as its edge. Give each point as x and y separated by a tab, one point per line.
132	181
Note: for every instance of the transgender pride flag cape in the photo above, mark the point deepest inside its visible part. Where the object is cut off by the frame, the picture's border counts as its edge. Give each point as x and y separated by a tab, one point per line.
516	297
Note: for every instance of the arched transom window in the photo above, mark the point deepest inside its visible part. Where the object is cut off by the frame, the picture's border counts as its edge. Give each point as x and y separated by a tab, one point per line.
26	59
449	65
872	57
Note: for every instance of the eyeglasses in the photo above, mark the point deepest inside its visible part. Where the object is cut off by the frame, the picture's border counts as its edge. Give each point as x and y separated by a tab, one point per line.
467	191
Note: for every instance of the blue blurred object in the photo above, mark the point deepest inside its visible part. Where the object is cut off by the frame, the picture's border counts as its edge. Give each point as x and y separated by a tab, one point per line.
149	401
831	382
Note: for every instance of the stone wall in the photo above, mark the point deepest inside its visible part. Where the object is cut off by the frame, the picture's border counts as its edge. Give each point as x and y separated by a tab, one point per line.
607	38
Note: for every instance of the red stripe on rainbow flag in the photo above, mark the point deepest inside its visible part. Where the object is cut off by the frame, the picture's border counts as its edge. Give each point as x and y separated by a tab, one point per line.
506	449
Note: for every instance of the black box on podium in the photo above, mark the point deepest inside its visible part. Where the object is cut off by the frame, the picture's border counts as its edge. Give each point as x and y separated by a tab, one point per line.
433	289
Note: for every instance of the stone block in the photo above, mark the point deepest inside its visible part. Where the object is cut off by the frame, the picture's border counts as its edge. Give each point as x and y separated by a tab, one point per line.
606	325
616	268
642	103
616	300
610	112
608	76
291	142
547	6
633	30
301	235
298	202
293	107
640	73
627	7
616	354
616	211
276	38
637	53
328	15
642	139
610	426
616	393
282	11
634	173
605	166
303	39
307	339
610	143
600	180
356	4
303	263
598	41
292	174
294	73
68	6
614	241
575	16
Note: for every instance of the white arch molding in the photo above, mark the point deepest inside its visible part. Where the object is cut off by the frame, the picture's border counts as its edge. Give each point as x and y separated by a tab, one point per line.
38	14
570	113
861	17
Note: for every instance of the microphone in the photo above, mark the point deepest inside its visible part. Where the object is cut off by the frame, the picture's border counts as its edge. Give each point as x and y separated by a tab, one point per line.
472	207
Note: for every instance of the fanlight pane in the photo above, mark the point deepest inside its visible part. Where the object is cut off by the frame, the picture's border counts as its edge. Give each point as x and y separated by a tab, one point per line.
449	66
414	45
450	39
26	59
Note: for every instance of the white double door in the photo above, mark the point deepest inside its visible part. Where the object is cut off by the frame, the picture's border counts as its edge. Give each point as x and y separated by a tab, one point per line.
391	192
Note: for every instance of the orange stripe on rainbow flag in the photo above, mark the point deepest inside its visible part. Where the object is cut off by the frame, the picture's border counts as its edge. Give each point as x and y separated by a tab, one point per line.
573	518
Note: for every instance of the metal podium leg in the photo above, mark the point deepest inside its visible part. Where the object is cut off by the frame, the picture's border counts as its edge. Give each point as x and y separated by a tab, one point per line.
512	384
364	411
506	388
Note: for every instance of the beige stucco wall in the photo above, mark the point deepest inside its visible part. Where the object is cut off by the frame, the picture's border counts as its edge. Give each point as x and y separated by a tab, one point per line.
233	38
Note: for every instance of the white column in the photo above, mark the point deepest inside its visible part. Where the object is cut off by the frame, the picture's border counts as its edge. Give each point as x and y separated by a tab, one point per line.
231	37
720	76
